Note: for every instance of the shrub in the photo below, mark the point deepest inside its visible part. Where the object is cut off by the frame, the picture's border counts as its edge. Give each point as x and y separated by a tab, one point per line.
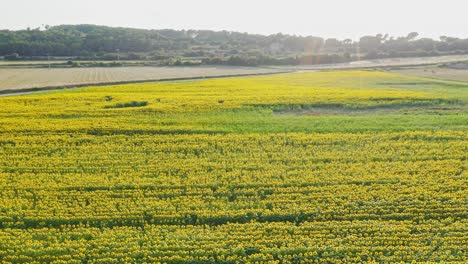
12	57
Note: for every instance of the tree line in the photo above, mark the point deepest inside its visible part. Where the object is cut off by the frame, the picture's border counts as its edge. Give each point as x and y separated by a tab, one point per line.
91	42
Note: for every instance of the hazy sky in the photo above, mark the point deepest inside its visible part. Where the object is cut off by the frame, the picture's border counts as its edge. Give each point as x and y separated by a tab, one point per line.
326	18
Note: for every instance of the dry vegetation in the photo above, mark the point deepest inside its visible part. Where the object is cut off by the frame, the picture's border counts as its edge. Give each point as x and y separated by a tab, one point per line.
395	62
437	73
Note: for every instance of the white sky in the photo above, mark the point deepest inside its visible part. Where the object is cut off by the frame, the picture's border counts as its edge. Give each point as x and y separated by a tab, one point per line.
326	18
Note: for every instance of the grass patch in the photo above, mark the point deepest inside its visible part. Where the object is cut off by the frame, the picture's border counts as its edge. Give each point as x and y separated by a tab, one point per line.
129	104
363	105
426	83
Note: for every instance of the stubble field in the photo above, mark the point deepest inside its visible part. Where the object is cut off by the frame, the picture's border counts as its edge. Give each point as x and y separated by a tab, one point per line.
442	73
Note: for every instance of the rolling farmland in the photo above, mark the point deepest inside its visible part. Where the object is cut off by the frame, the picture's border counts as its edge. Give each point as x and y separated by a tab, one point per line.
337	167
23	76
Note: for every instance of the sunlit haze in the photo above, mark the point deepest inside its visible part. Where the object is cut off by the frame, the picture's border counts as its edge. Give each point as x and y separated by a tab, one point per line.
331	18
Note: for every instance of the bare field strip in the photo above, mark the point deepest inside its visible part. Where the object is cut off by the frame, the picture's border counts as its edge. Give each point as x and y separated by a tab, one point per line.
23	79
436	73
45	62
20	63
380	63
61	63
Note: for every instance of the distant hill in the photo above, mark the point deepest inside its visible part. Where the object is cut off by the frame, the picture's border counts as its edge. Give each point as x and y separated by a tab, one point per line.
93	42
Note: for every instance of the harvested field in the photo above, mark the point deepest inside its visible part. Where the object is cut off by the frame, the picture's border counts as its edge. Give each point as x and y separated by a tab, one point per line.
18	79
437	73
382	63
